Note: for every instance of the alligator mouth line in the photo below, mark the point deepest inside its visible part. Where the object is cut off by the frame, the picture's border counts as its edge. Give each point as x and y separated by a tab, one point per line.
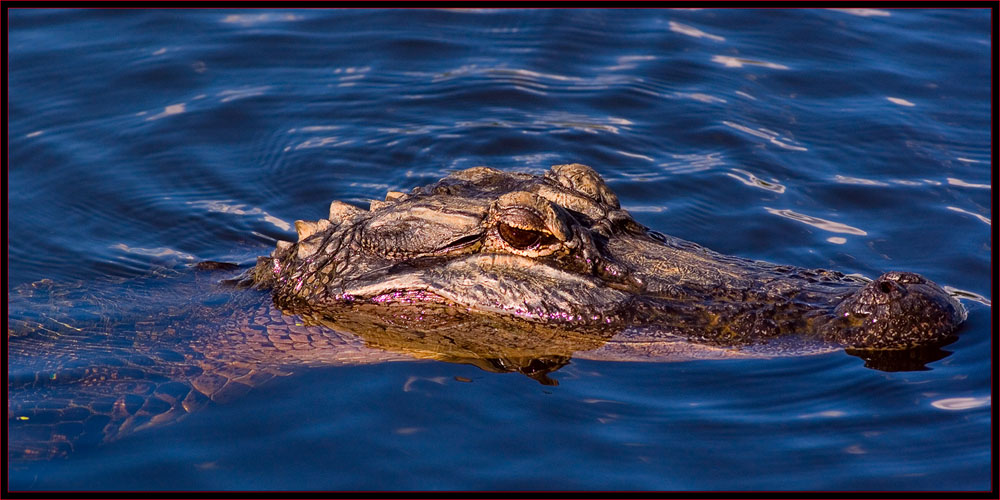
413	296
460	244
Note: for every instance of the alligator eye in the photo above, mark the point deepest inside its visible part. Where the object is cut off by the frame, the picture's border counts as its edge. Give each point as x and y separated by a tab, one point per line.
520	239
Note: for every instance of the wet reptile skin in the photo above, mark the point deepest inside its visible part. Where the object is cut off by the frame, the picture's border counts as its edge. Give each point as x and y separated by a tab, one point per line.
558	249
507	271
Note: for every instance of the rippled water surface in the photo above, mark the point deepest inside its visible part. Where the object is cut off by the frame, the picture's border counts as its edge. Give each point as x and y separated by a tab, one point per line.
856	140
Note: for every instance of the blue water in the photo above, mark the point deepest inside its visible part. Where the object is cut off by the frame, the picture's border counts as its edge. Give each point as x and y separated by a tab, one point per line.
852	140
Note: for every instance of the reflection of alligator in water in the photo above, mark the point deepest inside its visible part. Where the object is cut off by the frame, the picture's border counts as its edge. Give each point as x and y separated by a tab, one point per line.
507	271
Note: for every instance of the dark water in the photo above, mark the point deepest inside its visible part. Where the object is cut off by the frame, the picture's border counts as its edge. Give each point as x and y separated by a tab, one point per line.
857	141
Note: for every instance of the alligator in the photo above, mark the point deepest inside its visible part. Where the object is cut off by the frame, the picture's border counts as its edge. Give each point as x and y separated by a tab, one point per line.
559	249
508	271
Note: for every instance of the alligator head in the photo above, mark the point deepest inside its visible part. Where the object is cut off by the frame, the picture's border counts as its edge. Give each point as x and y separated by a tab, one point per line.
558	249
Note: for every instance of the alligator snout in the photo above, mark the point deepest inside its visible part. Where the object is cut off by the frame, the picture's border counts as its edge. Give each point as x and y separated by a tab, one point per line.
896	311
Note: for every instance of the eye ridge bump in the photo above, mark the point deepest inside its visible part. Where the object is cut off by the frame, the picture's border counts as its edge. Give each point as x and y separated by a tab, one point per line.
513	213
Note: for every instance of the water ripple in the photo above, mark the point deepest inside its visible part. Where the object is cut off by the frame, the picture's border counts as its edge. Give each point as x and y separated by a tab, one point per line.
232	207
739	62
247	20
763	133
753	181
958	404
826	225
959	182
965	294
693	32
692	163
983	219
862	12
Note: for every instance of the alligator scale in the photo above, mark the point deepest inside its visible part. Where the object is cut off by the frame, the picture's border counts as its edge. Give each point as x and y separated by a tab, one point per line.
508	271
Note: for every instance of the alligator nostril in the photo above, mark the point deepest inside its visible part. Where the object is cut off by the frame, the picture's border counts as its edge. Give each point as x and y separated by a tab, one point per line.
903	277
885	286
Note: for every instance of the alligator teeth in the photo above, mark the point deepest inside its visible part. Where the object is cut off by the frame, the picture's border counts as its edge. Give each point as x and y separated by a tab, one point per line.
306	228
390	197
340	210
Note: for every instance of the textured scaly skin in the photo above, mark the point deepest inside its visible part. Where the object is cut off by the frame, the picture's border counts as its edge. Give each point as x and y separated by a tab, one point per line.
558	249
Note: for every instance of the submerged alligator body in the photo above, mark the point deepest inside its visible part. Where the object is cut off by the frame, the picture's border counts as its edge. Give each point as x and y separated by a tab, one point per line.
559	249
506	271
